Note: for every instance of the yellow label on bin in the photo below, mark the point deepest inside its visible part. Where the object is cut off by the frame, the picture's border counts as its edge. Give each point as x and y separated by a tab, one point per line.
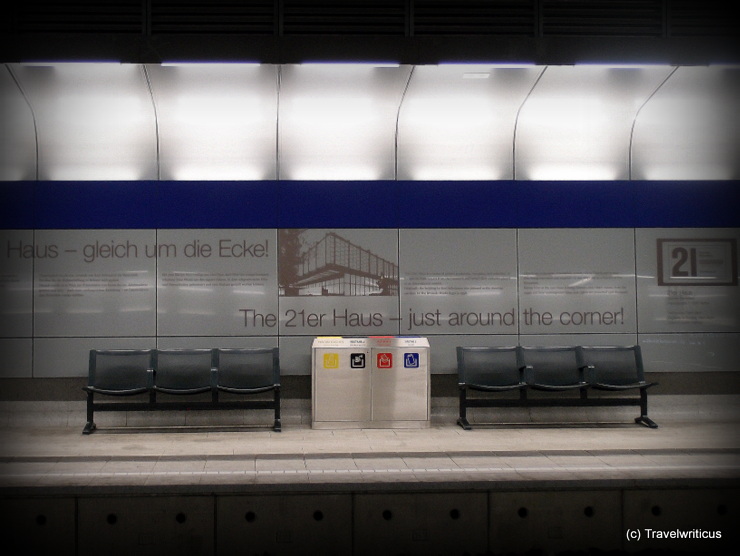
331	360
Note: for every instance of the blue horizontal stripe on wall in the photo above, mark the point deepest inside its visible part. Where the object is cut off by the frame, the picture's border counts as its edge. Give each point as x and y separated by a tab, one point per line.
368	204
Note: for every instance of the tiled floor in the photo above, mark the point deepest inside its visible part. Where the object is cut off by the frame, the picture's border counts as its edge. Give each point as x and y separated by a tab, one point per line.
686	448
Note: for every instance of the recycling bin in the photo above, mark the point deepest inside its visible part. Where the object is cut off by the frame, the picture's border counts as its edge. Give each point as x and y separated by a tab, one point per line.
372	382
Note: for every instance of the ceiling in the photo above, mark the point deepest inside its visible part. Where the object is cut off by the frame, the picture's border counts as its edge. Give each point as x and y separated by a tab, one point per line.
360	121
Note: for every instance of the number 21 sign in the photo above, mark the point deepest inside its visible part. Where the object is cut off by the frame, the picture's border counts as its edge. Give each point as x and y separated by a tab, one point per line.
697	262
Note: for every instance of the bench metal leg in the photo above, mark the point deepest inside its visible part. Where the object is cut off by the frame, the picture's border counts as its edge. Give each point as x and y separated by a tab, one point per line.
277	426
647	421
463	419
90	425
643	418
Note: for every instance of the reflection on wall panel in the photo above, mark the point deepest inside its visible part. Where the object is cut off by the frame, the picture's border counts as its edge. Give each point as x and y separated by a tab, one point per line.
216	282
95	121
690	129
457	122
17	135
216	121
576	281
459	281
94	282
338	121
576	124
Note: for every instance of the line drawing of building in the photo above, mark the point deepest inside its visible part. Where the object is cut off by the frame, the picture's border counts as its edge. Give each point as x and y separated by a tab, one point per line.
334	266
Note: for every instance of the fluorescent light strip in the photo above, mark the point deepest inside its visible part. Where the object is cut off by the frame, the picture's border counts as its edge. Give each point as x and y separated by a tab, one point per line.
209	64
351	64
490	65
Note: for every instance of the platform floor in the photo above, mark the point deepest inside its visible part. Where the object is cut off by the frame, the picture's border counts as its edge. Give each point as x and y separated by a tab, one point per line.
694	441
696	449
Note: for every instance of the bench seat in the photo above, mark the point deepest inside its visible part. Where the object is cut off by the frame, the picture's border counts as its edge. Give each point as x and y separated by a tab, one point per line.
182	372
551	369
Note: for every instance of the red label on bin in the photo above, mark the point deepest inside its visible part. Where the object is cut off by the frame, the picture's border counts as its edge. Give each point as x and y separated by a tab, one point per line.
385	360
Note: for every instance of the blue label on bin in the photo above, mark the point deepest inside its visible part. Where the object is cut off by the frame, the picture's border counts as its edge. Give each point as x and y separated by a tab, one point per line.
411	360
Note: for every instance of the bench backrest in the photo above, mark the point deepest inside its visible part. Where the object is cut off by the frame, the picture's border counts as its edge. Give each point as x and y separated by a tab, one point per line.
488	366
618	365
183	369
247	368
120	370
552	365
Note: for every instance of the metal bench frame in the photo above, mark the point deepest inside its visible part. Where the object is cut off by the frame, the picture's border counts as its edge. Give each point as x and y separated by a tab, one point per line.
153	403
528	381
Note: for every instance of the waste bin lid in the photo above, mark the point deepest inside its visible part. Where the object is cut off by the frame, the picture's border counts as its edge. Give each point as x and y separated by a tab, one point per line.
371	341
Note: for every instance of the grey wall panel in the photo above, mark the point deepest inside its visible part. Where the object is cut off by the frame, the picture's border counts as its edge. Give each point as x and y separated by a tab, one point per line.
209	342
18	136
690	352
576	281
70	357
295	355
16	282
688	280
17	357
603	339
458	281
94	283
216	282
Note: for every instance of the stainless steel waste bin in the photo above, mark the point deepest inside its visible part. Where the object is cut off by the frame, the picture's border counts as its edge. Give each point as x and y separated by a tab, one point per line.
373	382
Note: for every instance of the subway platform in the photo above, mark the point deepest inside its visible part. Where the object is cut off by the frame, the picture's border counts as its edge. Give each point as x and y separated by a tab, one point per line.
536	482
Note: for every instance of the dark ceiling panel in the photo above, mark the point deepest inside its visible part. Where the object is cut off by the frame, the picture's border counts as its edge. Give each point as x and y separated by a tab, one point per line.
474	17
629	18
407	31
81	16
687	18
218	16
340	17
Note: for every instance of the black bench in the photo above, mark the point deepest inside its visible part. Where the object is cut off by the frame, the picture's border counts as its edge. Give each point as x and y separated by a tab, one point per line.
575	369
182	372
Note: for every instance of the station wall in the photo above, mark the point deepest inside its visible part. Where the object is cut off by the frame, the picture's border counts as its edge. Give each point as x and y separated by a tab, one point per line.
225	264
